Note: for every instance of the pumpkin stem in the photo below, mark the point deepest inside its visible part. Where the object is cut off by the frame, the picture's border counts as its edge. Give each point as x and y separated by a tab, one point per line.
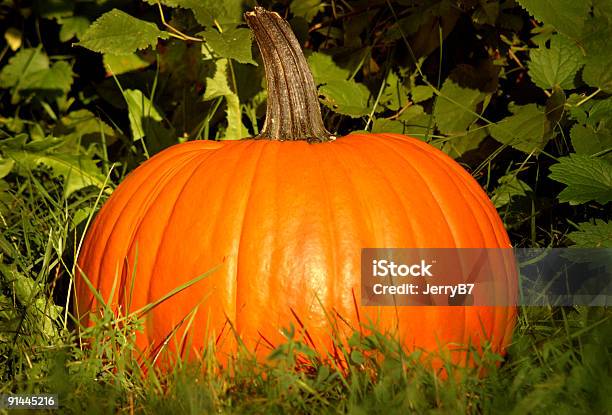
293	111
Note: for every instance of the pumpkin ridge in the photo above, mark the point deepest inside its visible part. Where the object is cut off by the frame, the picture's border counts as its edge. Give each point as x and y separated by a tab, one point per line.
165	226
117	217
486	208
237	322
436	205
426	182
364	209
318	153
459	185
502	314
153	198
365	156
347	173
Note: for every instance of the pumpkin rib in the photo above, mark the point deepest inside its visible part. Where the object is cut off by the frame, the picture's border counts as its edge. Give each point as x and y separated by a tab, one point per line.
426	154
335	171
366	156
426	181
427	310
499	318
105	215
469	185
448	163
175	175
502	314
332	242
363	209
148	202
480	196
241	240
201	164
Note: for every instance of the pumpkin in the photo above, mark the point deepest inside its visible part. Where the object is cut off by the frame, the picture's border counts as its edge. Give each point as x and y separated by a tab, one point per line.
277	224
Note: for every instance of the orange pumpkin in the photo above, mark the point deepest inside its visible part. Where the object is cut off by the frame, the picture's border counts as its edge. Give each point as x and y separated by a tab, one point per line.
282	220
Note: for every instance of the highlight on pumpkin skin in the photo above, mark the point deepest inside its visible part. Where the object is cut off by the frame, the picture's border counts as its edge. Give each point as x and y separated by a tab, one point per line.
283	218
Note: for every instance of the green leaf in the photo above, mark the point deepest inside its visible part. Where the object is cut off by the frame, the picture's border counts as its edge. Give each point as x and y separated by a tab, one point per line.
603	9
56	78
29	70
527	130
509	186
457	146
357	357
346	97
146	122
567	16
486	13
324	69
235	128
307	9
592	112
82	125
598	61
420	93
416	121
386	125
140	108
118	33
599	112
25	63
456	107
394	95
593	235
232	43
54	8
120	64
73	26
412	121
555	65
6	165
78	171
587	178
218	86
207	12
588	141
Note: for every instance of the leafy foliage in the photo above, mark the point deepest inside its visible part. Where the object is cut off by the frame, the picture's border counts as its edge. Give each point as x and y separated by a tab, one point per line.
587	179
589	235
555	65
567	16
456	109
527	129
231	43
119	33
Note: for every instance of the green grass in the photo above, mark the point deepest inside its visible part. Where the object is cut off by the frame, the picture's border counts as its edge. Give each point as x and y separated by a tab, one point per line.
559	360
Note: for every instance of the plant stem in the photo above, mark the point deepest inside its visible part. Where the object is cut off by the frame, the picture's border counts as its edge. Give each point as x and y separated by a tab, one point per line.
293	111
